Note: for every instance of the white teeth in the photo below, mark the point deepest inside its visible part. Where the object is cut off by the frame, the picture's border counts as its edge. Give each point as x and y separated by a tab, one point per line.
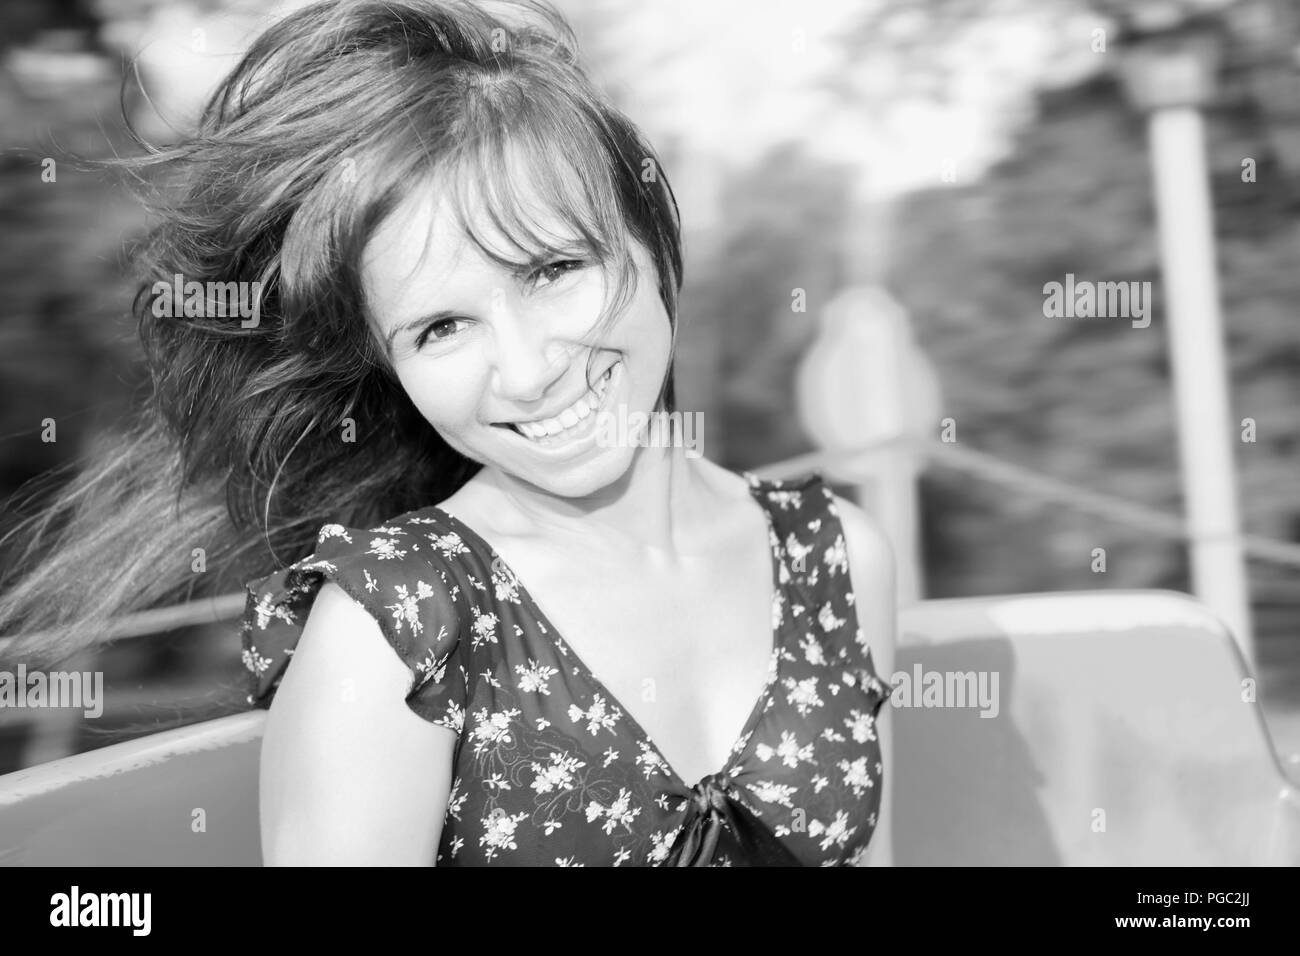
571	416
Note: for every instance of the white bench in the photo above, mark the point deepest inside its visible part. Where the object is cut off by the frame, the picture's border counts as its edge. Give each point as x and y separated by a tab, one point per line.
1125	702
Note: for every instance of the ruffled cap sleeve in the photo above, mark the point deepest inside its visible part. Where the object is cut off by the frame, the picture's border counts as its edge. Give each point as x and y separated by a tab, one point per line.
394	573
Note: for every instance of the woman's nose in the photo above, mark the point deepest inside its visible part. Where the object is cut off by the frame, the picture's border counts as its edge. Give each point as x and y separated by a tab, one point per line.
528	358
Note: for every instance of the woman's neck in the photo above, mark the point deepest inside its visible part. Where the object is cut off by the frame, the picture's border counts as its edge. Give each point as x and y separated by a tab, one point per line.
650	513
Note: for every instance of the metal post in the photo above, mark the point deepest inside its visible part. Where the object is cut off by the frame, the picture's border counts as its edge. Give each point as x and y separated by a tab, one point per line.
1199	366
1170	69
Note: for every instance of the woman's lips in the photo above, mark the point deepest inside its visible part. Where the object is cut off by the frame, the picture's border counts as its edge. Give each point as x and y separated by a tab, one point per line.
583	426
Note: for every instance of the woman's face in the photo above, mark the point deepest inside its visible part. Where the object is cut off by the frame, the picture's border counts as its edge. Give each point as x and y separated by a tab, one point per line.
496	361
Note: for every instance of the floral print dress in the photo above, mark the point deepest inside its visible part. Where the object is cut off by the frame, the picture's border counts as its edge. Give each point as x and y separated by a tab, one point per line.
549	768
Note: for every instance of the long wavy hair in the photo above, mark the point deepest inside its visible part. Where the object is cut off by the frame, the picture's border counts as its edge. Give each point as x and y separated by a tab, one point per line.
256	434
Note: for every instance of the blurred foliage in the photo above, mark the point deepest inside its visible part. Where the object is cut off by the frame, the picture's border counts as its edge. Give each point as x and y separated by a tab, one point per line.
1089	401
783	227
67	349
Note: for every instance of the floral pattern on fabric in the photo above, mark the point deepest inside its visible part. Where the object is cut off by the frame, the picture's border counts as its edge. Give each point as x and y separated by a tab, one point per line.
549	768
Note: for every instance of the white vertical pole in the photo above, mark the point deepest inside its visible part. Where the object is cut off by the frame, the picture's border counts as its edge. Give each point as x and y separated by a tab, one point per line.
890	490
854	388
1200	371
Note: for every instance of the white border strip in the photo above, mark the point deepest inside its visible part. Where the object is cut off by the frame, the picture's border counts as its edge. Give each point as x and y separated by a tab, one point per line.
129	755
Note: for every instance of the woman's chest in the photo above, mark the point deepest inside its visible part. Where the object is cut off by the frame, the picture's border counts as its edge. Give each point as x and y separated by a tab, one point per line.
555	767
684	656
562	762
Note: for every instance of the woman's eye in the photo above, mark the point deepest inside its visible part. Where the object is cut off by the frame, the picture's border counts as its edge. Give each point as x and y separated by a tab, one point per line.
439	331
553	270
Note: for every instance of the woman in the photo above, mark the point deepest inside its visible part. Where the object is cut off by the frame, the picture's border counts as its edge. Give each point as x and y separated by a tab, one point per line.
515	638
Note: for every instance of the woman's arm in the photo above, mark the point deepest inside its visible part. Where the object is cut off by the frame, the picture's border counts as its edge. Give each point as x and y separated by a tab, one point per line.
872	571
349	775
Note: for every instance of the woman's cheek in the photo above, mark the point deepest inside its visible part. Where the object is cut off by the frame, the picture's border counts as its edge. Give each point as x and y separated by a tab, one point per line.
443	390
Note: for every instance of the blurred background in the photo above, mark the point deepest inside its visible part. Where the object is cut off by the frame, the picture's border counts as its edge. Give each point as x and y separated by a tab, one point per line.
874	195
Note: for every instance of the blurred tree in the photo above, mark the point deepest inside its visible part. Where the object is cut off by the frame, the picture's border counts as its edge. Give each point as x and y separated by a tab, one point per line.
778	262
1089	400
67	352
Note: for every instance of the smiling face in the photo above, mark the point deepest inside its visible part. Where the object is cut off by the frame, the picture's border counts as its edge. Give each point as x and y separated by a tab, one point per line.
496	358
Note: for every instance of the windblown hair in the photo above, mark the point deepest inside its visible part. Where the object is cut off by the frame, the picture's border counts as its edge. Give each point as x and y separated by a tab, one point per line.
336	114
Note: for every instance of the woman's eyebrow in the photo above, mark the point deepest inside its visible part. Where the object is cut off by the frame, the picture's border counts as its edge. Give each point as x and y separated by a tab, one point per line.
570	249
409	324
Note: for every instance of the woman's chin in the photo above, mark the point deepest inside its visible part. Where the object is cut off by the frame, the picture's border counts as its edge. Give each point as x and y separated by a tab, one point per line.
575	477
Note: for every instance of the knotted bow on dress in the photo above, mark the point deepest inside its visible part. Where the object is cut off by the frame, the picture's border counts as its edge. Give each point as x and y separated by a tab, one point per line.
716	818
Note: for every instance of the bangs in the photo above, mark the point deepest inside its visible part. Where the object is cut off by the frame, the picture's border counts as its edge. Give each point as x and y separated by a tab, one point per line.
530	183
535	197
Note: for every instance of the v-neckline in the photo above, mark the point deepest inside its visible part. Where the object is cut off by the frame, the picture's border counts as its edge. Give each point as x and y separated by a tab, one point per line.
743	740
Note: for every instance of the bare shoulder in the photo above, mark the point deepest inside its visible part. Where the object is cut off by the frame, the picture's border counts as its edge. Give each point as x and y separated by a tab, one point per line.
348	773
872	571
722	480
866	543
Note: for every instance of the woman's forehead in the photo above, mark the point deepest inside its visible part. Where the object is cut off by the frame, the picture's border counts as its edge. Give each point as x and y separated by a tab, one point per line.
423	252
422	239
447	220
